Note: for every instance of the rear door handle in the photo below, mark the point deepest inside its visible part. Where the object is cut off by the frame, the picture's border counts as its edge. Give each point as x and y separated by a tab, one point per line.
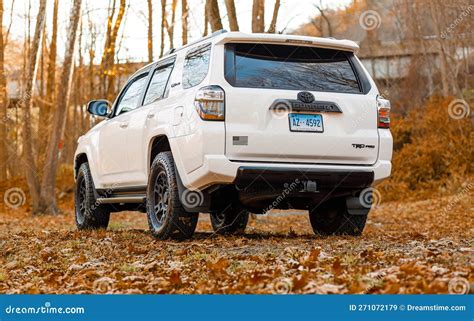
123	125
150	116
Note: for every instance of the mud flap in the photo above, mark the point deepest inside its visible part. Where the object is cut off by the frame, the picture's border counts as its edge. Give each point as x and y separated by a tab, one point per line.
193	201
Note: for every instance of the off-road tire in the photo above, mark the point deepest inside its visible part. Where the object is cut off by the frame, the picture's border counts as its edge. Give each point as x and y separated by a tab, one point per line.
332	218
167	218
232	220
89	214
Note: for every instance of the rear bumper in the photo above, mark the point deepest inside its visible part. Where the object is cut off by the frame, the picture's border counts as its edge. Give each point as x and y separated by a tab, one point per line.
301	179
218	169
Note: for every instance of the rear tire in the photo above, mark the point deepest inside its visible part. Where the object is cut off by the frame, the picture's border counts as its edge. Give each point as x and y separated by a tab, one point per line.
232	220
90	215
166	216
332	218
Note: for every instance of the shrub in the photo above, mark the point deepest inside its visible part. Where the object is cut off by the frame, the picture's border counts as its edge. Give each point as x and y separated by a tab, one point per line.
432	152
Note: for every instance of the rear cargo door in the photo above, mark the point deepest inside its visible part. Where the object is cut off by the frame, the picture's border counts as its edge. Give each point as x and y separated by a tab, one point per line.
298	104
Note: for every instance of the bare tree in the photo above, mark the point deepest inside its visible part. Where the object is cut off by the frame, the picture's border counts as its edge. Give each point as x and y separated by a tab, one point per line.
48	184
51	81
258	16
170	26
4	155
49	102
108	57
325	17
213	15
276	8
3	103
163	27
26	103
184	23
230	7
150	30
93	37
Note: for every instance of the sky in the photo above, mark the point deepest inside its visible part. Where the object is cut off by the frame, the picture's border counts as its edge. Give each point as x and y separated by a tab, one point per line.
133	34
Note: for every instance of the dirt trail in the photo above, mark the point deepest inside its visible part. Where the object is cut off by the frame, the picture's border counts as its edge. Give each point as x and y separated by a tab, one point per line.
417	247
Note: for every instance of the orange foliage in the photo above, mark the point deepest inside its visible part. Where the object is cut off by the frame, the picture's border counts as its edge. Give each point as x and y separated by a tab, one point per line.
432	152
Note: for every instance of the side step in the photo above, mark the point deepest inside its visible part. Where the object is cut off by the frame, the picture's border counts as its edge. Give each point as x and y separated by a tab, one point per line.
124	195
121	199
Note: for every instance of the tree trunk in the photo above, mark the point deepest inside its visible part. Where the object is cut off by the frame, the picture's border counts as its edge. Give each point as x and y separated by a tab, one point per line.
150	30
230	7
49	101
51	81
108	72
26	104
258	16
170	26
213	15
206	25
163	26
110	57
325	18
92	71
3	104
272	27
441	50
48	185
184	22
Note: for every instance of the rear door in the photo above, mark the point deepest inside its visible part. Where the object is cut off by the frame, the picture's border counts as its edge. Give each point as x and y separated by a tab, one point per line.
298	104
149	116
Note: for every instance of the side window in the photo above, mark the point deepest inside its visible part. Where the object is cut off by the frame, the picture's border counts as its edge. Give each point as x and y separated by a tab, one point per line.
196	65
158	82
131	96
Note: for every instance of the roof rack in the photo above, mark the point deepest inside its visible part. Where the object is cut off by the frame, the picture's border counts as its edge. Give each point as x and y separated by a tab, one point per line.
212	35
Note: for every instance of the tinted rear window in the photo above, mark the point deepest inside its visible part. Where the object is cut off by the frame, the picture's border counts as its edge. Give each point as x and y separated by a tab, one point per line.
290	67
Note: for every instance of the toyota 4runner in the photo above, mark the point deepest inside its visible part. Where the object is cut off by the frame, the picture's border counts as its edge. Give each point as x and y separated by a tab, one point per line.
234	124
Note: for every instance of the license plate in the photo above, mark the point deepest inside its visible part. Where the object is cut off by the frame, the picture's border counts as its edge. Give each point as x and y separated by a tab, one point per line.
306	123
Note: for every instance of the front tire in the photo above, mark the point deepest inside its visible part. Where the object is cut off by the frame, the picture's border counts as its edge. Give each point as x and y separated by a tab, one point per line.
166	216
232	220
89	214
332	218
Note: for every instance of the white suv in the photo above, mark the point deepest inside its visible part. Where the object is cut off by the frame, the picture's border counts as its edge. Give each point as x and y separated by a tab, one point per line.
237	123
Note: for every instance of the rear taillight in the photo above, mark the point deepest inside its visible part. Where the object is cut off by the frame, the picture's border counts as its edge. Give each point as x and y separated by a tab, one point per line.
210	103
383	107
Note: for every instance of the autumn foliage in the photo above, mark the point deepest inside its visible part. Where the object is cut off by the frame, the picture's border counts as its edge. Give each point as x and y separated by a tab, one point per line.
432	152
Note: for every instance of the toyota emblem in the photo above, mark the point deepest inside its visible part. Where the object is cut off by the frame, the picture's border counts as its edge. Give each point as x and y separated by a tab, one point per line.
305	97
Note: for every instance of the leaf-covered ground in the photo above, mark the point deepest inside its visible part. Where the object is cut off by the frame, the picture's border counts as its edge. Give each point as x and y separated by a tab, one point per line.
416	247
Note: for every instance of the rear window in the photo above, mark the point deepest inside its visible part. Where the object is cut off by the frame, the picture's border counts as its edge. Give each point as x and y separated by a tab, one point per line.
290	67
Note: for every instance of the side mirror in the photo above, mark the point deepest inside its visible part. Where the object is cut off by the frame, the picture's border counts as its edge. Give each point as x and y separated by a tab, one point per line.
99	108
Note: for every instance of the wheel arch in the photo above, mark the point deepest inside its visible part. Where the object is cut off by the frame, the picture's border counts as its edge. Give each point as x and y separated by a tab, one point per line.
80	159
159	143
